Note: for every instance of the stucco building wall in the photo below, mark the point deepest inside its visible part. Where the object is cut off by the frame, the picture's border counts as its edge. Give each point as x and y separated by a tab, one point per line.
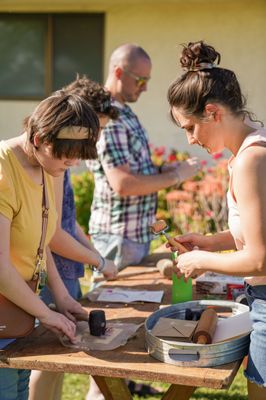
236	28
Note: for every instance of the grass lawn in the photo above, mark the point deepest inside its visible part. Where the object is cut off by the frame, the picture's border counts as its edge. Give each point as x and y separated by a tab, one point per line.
76	386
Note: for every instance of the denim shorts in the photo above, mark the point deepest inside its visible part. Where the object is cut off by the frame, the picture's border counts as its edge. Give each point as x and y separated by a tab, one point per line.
256	367
73	288
14	384
122	251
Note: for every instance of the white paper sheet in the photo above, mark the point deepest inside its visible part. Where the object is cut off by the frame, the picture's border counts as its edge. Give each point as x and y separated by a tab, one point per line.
119	295
228	328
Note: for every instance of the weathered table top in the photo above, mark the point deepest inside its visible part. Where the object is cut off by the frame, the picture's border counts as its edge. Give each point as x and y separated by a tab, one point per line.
42	350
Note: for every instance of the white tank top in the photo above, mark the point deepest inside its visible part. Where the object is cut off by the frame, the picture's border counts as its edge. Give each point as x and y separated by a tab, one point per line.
258	136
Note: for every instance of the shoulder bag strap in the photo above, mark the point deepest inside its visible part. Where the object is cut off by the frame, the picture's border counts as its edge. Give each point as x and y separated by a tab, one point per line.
40	262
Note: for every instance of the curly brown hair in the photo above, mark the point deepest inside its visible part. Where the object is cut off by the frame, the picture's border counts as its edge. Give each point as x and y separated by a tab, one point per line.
94	93
204	81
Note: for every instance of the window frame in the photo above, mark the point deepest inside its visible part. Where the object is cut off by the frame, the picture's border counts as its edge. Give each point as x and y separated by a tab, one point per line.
48	52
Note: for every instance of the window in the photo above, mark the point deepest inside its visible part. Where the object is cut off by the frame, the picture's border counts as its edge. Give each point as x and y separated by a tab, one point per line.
41	53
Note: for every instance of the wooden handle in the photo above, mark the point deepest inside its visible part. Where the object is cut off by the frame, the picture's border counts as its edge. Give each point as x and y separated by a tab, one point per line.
177	246
202	339
206	327
81	317
165	266
126	275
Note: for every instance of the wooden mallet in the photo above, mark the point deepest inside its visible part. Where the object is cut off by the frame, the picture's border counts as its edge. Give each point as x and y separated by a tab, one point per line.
79	316
159	228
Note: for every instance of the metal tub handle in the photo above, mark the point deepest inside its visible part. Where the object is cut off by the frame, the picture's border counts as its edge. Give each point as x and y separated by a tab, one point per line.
183	355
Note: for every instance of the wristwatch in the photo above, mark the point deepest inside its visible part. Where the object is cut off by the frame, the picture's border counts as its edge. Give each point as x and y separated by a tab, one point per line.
101	265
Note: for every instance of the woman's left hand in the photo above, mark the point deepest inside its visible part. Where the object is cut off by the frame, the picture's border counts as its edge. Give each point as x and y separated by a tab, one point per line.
190	264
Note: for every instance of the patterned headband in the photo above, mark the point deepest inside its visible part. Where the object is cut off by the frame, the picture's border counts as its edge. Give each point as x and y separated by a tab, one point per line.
73	133
201	66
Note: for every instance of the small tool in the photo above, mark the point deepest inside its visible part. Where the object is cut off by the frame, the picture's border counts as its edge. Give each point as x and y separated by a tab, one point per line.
96	321
159	228
79	316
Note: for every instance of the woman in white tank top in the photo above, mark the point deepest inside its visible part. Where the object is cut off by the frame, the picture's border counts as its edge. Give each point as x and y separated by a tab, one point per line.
206	101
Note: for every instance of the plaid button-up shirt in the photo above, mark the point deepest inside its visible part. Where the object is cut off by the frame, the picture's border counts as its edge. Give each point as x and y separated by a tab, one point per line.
123	141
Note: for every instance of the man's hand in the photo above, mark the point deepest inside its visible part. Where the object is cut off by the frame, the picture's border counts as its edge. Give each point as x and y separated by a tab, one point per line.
187	169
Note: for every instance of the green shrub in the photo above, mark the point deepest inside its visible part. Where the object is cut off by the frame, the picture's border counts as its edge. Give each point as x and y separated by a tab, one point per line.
198	205
83	186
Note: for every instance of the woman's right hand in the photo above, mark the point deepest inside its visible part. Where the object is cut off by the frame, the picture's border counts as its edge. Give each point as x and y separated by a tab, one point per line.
59	324
193	241
110	269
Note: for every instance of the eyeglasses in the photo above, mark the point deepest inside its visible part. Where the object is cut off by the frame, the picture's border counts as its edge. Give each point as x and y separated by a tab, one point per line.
140	80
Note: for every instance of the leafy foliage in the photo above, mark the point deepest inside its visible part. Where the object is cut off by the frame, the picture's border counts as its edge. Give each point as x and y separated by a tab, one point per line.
83	186
197	205
201	205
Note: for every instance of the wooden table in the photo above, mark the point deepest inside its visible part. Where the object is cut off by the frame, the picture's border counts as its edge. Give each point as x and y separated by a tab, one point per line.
42	351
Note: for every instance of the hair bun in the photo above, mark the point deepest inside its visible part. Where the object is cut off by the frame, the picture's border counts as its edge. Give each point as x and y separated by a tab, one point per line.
197	56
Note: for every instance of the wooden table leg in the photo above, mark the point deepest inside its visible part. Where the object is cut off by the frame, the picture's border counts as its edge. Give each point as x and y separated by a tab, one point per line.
113	388
179	392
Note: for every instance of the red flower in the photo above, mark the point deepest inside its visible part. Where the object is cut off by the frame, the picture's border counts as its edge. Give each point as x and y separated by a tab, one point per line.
172	157
216	156
159	151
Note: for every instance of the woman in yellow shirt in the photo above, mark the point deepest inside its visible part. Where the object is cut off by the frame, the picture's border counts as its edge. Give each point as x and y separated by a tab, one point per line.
62	129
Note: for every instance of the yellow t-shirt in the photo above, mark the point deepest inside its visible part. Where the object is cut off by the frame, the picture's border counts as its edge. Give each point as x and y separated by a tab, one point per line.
21	203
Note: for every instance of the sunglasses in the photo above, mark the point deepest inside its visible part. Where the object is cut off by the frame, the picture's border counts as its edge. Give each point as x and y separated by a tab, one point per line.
140	80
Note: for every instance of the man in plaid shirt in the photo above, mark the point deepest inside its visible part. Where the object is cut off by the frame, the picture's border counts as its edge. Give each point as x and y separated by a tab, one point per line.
126	181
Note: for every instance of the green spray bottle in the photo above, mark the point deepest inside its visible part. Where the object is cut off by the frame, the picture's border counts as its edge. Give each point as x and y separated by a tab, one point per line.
181	290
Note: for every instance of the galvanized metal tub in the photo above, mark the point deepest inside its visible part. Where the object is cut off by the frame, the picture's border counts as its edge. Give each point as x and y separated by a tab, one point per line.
190	354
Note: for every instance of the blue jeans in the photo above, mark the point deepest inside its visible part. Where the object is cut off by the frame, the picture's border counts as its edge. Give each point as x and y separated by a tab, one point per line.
14	384
73	288
256	368
122	251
